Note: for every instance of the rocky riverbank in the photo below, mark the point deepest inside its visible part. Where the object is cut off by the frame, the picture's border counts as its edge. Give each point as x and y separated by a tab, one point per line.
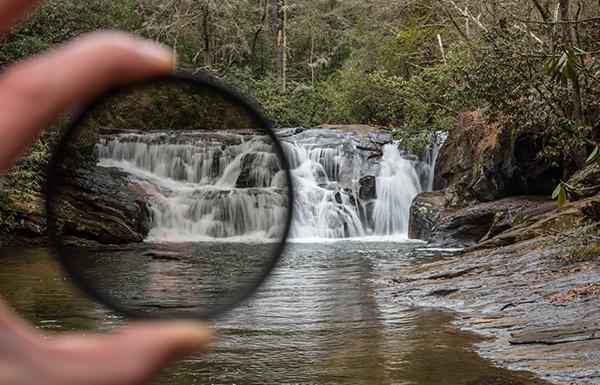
529	277
537	312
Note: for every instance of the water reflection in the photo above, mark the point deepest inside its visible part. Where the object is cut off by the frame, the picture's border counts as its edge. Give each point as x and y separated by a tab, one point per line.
321	319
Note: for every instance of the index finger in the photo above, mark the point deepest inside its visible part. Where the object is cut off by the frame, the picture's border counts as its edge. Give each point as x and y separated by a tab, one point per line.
33	93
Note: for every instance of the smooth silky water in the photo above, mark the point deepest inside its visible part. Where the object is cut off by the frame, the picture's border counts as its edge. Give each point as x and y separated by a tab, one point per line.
323	318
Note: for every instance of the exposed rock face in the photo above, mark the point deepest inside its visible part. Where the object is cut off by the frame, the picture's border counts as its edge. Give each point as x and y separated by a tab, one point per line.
587	180
97	206
431	222
484	171
101	206
545	219
424	214
250	166
488	162
368	187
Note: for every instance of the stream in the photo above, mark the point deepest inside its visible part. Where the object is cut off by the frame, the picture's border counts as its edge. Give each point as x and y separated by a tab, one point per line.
323	318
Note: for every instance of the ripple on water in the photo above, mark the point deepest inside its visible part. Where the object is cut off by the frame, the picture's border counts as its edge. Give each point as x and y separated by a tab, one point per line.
320	319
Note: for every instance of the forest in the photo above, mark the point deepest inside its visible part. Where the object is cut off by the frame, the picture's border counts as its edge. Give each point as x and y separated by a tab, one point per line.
531	65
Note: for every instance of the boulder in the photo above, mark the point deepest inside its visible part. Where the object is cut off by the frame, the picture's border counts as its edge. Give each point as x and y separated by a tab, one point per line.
252	165
464	227
101	206
367	187
545	219
492	161
587	180
425	211
93	206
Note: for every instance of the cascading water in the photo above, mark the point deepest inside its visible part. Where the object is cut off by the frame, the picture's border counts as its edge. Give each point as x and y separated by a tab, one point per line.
199	189
397	184
202	186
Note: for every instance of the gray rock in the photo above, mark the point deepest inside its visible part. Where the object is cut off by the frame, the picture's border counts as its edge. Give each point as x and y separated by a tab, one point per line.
100	206
462	227
367	187
424	213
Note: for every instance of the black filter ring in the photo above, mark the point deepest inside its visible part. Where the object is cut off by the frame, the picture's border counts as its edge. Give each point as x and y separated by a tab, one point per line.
58	248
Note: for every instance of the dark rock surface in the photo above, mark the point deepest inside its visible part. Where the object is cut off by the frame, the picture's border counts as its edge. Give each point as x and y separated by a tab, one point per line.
250	165
425	211
488	162
462	227
96	206
367	187
101	206
587	180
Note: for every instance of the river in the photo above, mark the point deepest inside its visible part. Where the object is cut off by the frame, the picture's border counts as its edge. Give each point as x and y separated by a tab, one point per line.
323	318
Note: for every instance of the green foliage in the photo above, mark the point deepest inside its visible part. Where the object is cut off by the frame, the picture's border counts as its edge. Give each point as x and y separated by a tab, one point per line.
375	62
560	194
28	175
577	244
8	211
563	67
60	20
564	193
594	156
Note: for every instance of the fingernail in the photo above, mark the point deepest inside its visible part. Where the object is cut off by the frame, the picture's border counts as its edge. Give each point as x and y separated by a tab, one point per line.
194	334
159	52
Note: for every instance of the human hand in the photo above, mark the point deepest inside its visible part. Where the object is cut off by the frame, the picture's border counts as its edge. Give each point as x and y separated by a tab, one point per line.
32	94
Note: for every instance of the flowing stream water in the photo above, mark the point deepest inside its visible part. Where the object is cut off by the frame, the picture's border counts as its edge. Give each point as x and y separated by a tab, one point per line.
324	317
200	189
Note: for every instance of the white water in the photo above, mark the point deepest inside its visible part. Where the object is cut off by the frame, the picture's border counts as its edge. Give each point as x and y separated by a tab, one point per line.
207	186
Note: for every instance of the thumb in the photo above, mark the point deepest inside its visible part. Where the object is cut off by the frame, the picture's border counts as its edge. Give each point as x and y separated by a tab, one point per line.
131	356
159	343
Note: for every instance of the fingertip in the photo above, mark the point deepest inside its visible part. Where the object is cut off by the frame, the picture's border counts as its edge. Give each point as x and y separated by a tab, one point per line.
121	45
172	340
191	335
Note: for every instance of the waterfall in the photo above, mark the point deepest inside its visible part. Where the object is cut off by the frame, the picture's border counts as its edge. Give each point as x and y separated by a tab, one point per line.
199	189
214	185
397	184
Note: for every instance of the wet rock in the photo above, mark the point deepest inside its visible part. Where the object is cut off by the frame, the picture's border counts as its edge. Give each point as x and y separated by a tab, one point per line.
487	162
554	336
163	255
367	187
424	213
431	222
257	169
178	172
542	219
494	380
510	294
100	206
339	196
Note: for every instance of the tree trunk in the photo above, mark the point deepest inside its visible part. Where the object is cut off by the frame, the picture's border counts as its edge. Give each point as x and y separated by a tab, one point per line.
208	33
543	10
567	38
263	6
282	44
441	46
